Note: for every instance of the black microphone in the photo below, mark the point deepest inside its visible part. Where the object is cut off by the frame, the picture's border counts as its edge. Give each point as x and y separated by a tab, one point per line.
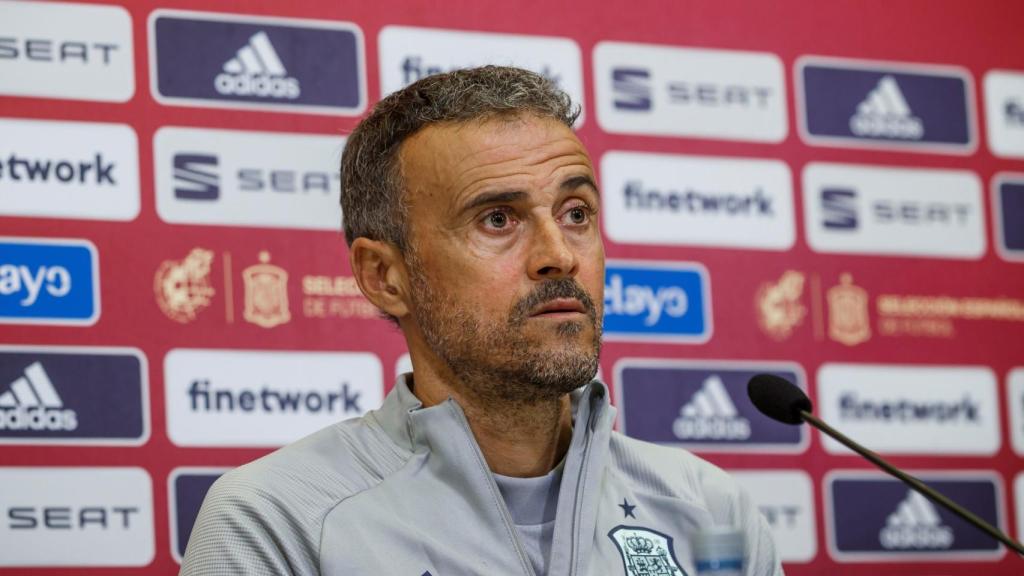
781	400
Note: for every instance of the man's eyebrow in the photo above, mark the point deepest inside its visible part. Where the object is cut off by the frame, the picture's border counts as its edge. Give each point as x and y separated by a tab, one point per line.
497	197
581	180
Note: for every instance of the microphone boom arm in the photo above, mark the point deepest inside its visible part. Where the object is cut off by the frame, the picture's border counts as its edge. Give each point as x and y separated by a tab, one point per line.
914	483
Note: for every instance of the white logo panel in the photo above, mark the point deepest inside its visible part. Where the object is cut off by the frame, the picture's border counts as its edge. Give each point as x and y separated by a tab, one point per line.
65	50
265	398
697	200
84	170
902	409
1018	497
76	517
409	54
893	211
785	498
1004	112
694	92
234	178
1015	390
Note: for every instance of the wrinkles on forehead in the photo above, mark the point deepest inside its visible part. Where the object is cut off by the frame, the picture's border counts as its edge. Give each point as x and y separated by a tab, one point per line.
444	164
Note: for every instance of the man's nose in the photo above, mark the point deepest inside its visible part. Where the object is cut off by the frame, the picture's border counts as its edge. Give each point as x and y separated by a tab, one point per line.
551	256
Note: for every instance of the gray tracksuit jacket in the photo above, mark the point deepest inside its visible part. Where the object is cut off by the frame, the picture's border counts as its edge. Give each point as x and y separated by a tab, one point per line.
405	491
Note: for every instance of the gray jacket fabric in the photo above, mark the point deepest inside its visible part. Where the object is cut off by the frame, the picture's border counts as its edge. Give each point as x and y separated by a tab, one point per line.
405	490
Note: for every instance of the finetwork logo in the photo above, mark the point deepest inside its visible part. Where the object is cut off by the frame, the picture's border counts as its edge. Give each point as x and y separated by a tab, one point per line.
246	398
698	200
701	405
66	50
221	60
32	403
915	525
700	93
659	302
711	415
86	170
885	113
73	395
408	54
885	105
228	177
48	281
894	211
257	70
875	518
910	409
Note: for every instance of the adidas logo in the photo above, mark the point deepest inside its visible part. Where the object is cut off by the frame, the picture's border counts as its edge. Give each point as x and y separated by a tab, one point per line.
711	415
32	403
256	70
915	525
885	113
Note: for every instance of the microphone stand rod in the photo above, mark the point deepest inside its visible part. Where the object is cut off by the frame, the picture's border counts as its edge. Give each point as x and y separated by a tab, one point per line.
914	483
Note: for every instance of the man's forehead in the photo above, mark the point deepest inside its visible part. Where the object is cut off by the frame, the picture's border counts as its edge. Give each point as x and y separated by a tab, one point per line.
491	140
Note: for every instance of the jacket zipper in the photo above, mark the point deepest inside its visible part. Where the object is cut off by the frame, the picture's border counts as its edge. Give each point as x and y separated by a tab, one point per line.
496	498
578	512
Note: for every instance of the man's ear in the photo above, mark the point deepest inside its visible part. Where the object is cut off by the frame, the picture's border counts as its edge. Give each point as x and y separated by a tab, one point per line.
380	272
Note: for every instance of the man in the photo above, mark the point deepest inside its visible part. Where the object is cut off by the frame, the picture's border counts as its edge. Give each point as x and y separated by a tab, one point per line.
471	213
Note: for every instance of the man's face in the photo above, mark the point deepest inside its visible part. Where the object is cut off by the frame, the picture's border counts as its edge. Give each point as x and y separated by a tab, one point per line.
506	262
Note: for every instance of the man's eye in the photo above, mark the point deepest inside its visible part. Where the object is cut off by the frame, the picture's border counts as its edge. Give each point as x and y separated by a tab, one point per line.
497	219
578	215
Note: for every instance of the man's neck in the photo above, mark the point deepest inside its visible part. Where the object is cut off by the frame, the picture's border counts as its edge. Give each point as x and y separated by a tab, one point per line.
520	439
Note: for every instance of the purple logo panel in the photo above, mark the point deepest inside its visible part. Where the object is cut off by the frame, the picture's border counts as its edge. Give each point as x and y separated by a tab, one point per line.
882	516
700	405
258	63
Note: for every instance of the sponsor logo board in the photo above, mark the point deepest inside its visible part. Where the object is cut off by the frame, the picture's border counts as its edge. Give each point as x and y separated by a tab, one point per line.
1004	112
894	211
252	62
73	395
786	500
874	518
84	170
702	405
698	200
49	281
263	397
903	409
1018	497
1015	397
779	305
234	178
912	107
408	54
186	489
1008	207
66	50
657	301
105	520
692	92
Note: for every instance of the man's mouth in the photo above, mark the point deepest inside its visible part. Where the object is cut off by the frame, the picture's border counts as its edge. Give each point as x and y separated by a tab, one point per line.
560	308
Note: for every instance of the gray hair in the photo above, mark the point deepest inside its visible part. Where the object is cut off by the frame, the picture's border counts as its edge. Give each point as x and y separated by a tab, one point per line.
371	181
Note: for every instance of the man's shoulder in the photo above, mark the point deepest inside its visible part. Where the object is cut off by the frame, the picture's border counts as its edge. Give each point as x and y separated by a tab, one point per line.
318	471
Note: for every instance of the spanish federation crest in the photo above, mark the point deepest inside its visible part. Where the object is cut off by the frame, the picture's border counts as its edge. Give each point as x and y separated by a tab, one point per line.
266	293
645	552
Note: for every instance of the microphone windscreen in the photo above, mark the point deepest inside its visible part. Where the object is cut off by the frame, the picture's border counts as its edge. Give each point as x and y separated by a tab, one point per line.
778	398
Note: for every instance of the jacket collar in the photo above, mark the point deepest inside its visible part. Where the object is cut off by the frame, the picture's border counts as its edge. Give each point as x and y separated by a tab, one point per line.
407	422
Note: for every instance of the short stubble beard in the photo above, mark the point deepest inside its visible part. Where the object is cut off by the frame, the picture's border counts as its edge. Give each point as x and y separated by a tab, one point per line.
493	359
